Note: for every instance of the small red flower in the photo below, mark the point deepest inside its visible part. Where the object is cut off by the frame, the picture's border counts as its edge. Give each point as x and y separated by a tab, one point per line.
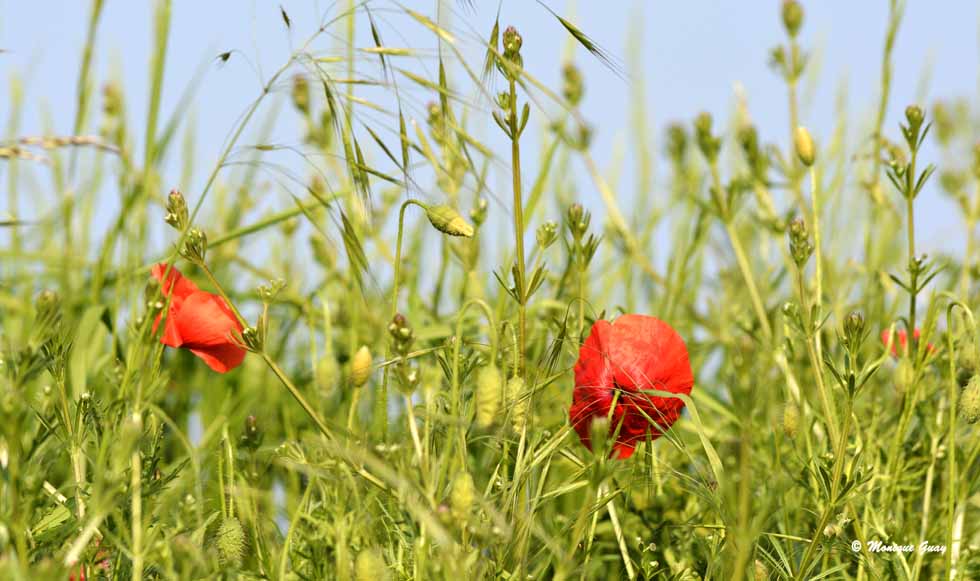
199	321
620	361
902	339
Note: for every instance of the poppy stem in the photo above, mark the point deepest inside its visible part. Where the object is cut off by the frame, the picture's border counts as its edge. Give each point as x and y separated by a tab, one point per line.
515	156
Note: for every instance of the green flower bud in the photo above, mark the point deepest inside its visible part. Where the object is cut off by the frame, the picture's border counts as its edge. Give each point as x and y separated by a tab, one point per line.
177	215
230	542
791	420
970	401
489	387
462	496
805	148
360	366
448	221
792	14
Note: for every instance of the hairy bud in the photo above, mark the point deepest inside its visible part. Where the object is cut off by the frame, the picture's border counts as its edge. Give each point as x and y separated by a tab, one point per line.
360	366
447	220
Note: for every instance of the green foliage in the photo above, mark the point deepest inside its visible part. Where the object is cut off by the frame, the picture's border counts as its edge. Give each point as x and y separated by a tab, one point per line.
402	413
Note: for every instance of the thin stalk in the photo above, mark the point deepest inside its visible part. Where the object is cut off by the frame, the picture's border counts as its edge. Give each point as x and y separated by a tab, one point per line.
515	158
817	256
136	508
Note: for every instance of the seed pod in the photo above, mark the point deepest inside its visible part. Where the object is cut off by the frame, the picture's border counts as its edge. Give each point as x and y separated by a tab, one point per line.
517	402
370	566
805	148
599	430
360	366
791	420
488	394
461	497
230	540
970	401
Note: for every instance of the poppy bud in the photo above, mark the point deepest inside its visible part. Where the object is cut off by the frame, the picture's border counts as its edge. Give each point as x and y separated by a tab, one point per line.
792	14
301	94
370	566
230	541
970	401
448	221
804	146
360	366
488	392
461	497
791	420
517	401
177	215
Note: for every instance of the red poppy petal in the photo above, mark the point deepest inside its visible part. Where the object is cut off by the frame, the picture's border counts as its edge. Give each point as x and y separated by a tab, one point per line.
176	282
205	320
623	450
221	358
171	333
649	354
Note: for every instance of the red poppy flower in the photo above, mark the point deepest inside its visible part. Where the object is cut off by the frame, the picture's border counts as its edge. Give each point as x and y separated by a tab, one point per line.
617	364
902	340
199	321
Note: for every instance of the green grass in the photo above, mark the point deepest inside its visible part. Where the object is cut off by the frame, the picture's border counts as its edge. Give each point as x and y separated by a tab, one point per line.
415	304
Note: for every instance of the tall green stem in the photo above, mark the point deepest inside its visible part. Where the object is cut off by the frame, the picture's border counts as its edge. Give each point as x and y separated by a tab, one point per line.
515	158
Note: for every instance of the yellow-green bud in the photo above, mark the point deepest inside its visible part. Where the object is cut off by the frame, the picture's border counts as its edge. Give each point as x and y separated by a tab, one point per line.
970	400
791	420
447	220
370	566
805	148
488	394
792	14
360	366
461	497
230	541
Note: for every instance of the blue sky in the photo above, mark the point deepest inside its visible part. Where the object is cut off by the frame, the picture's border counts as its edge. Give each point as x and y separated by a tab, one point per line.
693	56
